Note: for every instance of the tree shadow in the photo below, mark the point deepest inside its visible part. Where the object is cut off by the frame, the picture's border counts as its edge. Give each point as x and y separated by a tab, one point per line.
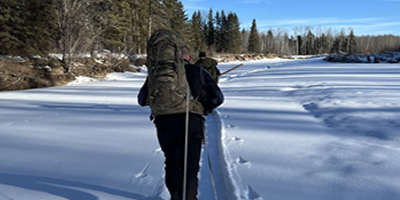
67	189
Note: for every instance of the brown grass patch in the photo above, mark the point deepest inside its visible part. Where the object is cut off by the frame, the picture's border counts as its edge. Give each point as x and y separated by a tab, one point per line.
49	72
19	76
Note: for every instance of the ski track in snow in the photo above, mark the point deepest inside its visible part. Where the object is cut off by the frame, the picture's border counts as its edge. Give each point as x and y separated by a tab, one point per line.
219	163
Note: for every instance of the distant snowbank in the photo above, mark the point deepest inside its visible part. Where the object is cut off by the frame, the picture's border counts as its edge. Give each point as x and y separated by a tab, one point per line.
83	79
112	76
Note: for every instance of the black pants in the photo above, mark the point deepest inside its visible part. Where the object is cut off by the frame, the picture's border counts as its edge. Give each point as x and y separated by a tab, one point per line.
171	136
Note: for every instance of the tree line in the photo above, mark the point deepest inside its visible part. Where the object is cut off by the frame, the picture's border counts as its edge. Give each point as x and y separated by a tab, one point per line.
73	27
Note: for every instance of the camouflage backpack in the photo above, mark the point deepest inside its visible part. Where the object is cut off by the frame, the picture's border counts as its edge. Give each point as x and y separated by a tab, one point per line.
211	66
167	84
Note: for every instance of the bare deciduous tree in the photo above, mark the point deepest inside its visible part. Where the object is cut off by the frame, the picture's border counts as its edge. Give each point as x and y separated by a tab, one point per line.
80	23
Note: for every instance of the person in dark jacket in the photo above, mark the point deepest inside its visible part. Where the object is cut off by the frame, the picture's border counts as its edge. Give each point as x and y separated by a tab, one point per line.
171	130
210	65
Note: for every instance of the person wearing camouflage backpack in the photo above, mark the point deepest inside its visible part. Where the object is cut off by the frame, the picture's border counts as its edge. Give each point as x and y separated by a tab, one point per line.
210	65
178	94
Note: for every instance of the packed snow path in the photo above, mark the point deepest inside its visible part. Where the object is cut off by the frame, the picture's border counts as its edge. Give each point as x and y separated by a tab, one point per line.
302	129
219	163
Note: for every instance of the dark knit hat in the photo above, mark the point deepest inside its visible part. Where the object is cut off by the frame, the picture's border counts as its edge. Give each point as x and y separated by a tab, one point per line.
202	54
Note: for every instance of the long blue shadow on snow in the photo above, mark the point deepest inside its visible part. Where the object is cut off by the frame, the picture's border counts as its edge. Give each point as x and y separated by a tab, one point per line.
67	189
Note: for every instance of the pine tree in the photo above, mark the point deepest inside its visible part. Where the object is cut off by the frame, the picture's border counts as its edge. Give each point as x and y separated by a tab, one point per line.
300	44
285	45
254	39
224	33
176	18
222	27
233	33
310	43
244	35
342	41
324	43
335	46
40	25
117	13
218	31
210	31
292	45
144	17
351	42
27	27
12	27
196	39
270	42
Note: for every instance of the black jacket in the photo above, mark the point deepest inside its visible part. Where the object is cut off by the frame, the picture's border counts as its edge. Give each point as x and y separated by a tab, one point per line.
202	86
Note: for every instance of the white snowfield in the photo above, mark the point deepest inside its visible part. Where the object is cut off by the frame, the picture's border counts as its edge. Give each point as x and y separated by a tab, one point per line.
288	129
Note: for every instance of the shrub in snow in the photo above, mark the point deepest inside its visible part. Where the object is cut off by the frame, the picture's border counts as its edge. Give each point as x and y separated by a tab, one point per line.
345	58
385	57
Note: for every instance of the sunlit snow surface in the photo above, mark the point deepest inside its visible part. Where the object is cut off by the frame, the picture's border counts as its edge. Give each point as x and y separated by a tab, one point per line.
288	129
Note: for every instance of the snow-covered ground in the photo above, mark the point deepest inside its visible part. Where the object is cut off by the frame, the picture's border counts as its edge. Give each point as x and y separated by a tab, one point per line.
288	129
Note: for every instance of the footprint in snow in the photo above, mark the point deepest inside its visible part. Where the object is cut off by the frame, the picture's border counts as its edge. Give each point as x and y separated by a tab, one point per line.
230	126
226	116
288	89
237	139
311	106
143	179
8	124
252	194
242	161
143	174
157	150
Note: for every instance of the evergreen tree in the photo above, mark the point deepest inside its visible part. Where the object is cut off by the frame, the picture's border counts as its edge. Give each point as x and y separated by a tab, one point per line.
351	42
40	26
196	40
335	46
270	43
342	41
176	18
27	27
324	43
310	43
233	34
285	46
292	45
144	17
12	27
210	31
244	35
115	34
112	36
254	39
300	44
75	26
218	31
222	27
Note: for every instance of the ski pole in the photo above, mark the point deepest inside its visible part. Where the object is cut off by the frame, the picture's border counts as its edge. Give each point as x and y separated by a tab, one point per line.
211	170
186	143
233	68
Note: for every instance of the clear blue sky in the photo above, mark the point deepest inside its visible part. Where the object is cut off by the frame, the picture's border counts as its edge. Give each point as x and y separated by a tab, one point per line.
366	17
